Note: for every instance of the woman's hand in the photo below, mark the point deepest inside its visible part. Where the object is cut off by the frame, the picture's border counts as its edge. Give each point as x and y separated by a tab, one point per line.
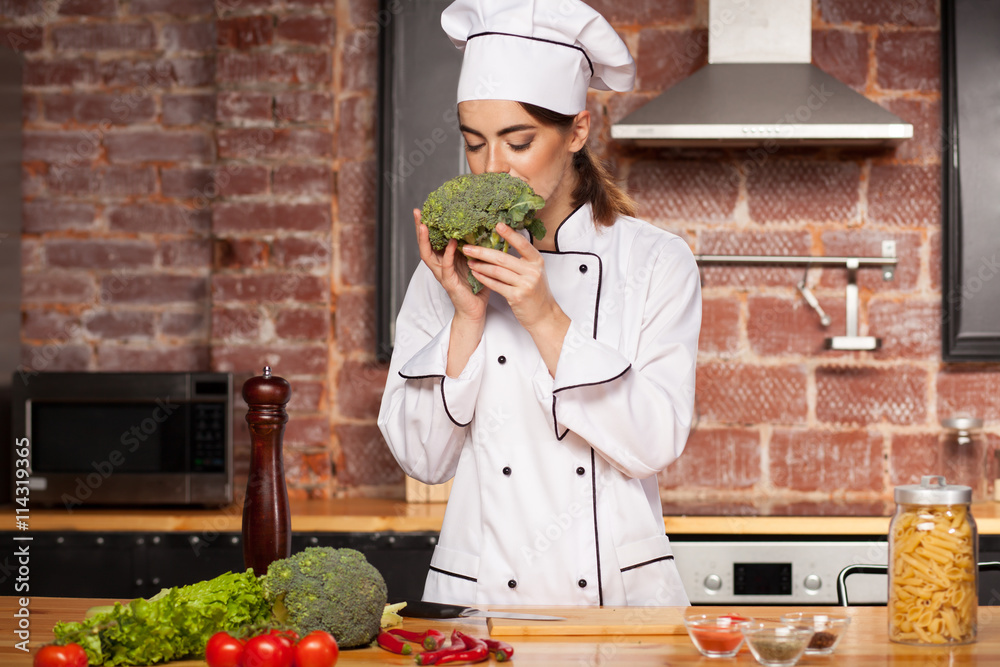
521	280
450	269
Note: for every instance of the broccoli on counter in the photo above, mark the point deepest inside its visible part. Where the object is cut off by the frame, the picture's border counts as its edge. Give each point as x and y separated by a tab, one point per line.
322	588
468	208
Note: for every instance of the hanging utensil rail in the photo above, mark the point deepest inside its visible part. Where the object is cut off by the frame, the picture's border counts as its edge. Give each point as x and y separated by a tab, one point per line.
852	341
888	264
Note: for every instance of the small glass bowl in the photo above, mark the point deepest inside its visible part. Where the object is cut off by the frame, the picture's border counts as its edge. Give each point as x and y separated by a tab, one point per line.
716	635
828	630
776	644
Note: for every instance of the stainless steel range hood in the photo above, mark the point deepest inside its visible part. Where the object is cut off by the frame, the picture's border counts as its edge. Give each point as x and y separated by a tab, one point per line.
760	88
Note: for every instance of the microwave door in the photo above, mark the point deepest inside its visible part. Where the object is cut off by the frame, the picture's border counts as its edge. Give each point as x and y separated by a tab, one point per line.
115	446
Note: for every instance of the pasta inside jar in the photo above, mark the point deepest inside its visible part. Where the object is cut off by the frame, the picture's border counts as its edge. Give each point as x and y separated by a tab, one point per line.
933	575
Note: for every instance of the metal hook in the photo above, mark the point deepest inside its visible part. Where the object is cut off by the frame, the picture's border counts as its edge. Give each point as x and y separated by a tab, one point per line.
810	298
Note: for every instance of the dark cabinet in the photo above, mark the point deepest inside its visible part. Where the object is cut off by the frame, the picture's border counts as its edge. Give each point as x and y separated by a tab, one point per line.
130	565
971	164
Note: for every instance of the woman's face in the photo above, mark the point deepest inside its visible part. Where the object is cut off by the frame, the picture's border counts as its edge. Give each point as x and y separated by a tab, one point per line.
500	136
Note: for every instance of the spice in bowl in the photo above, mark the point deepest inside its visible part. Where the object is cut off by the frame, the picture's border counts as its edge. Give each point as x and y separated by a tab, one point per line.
828	629
716	636
776	644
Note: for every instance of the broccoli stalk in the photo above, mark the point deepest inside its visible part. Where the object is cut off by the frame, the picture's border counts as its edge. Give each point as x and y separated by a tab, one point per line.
467	208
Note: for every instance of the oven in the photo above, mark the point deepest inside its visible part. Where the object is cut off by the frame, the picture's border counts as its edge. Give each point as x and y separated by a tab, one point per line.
796	570
768	569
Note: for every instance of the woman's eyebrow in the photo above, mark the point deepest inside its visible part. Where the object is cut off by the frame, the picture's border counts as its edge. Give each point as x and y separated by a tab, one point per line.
515	128
506	130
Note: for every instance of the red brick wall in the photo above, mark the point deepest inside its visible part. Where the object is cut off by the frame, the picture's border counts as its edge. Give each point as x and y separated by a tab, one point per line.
199	184
778	416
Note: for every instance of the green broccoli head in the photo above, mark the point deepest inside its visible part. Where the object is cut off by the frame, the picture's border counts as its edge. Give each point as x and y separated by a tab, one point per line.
322	588
467	208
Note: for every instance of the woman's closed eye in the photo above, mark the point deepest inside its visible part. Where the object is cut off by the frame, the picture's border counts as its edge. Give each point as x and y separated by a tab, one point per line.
517	148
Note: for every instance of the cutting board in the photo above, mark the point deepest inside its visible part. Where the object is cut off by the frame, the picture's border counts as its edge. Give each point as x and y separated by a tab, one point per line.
603	621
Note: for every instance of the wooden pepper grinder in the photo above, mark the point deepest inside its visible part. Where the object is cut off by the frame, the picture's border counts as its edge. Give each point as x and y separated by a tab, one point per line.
267	526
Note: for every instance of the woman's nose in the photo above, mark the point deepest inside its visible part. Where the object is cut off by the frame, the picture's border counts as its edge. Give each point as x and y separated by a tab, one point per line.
495	162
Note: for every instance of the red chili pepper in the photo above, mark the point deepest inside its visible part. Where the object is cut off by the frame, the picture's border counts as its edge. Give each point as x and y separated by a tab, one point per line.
466	655
434	640
408	635
502	650
468	640
393	643
432	657
463	648
431	639
475	649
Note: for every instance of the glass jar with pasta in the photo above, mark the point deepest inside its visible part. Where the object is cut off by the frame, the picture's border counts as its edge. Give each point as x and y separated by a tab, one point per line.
933	565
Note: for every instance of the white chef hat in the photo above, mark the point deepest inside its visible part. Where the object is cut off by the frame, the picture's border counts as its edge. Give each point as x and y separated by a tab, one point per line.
543	52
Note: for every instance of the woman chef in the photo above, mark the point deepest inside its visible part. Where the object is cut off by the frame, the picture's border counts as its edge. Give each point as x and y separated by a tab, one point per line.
555	396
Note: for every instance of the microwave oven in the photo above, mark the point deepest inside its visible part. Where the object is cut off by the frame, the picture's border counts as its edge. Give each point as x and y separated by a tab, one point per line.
100	439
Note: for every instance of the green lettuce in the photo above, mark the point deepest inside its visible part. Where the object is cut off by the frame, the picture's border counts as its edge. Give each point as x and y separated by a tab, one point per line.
174	624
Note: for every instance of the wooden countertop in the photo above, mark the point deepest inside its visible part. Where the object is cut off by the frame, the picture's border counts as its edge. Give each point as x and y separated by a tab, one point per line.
379	515
865	644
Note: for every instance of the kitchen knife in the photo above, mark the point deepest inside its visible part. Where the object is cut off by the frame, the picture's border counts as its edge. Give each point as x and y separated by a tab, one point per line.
421	609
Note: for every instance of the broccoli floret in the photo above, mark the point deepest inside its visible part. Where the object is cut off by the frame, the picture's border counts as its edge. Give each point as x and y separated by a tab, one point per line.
322	588
468	208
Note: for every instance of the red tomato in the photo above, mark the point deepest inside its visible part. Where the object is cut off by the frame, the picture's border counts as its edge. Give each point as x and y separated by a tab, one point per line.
223	650
287	636
316	649
70	655
267	651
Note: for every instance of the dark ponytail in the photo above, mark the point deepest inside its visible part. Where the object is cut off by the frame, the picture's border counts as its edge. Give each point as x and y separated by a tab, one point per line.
597	186
595	183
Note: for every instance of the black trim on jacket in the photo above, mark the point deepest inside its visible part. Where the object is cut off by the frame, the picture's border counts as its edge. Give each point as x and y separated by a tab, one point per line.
443	400
593	384
647	562
559	228
454	574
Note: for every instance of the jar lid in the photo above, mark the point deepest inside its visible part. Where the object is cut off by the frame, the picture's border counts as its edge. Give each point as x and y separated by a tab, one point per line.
933	490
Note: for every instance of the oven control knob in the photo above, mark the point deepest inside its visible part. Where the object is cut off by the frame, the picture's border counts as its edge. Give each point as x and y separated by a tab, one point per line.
713	582
813	582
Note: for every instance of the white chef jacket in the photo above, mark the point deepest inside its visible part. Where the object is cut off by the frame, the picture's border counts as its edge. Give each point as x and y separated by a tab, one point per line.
555	498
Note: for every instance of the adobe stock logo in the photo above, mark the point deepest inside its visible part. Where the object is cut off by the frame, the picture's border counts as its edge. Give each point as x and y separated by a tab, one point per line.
131	440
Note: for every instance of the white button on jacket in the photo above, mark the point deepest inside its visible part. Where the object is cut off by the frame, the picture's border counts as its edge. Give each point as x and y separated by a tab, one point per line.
555	499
